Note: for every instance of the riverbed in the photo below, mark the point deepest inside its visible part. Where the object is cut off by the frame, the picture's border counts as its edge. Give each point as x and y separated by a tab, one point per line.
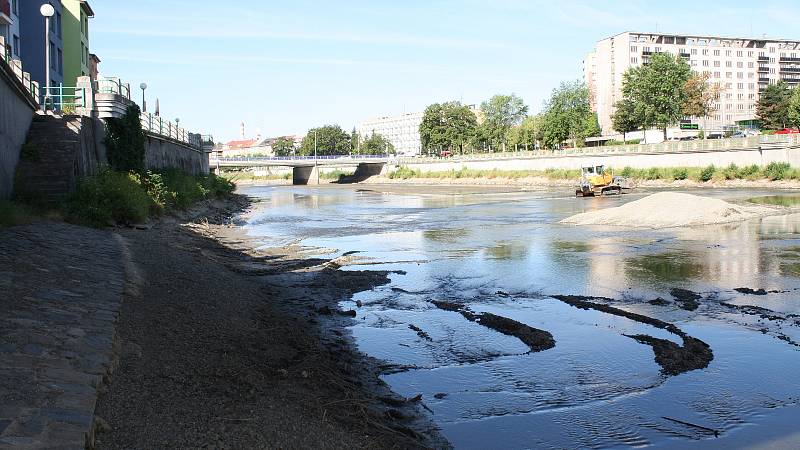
495	251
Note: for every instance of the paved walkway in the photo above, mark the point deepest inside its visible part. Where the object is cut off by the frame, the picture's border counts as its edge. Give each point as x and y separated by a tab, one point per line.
60	291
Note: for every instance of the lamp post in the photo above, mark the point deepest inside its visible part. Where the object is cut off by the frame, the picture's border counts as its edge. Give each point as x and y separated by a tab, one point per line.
143	87
47	11
177	128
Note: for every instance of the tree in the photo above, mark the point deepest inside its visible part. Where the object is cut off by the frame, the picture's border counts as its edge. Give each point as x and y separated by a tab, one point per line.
568	116
355	139
283	146
376	144
794	108
658	90
625	119
700	96
501	113
526	134
331	140
447	126
774	106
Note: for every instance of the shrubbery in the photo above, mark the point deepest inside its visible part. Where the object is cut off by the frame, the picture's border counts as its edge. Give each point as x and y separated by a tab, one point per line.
120	197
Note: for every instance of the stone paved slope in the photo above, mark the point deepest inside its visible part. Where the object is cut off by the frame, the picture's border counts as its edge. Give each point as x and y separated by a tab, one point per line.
60	292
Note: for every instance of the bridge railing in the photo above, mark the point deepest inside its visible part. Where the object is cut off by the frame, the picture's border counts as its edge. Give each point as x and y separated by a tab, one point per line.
709	145
300	158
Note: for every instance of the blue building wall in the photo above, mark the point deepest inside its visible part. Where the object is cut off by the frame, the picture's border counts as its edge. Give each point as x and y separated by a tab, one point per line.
32	26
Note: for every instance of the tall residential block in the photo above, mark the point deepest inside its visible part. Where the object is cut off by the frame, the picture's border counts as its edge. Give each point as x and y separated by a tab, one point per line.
33	41
9	27
743	67
76	40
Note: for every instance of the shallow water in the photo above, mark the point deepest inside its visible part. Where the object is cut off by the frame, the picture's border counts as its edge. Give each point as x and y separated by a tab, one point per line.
505	253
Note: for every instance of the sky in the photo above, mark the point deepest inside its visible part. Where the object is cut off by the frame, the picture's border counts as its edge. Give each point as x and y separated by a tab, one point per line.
282	67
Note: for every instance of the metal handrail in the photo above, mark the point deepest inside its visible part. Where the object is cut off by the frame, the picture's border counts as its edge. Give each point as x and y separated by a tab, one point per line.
56	98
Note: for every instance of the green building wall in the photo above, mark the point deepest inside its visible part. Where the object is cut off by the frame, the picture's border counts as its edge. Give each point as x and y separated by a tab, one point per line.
75	26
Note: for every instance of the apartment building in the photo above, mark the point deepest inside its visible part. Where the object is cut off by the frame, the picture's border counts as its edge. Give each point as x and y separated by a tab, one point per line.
32	47
9	27
402	131
744	67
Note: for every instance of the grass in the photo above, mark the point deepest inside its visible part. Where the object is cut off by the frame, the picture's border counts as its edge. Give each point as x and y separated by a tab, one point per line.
13	213
117	197
772	172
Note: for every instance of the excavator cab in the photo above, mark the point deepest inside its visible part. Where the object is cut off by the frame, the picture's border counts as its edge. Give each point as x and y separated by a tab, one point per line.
596	180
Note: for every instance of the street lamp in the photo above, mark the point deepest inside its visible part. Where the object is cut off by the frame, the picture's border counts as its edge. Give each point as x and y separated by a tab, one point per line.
143	87
47	11
177	128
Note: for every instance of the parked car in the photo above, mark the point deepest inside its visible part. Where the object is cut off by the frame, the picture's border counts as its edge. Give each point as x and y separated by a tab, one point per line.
446	154
788	131
739	134
714	136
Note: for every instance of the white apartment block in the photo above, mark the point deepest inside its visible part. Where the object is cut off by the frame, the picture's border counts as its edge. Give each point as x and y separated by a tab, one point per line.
744	67
402	131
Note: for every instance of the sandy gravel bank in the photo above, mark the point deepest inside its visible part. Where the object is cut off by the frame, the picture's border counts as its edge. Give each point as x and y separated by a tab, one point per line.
222	347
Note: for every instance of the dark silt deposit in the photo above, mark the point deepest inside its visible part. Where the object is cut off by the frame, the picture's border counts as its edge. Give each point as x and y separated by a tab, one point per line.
536	339
510	330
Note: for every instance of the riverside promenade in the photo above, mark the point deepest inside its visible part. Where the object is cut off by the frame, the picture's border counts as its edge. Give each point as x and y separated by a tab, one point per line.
61	288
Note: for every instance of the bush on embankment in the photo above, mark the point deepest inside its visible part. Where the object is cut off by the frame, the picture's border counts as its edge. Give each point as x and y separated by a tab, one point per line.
127	197
773	172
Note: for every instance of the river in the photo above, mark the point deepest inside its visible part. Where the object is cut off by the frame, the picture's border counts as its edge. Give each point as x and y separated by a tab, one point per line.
503	252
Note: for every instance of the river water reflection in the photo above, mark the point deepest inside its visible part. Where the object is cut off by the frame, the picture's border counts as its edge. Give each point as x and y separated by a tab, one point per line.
505	253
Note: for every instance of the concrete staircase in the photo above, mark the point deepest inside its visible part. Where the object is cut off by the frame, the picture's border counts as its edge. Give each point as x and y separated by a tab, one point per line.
51	158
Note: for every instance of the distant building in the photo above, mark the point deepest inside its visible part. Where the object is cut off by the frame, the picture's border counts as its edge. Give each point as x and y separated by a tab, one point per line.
32	41
402	131
94	66
9	27
744	67
77	58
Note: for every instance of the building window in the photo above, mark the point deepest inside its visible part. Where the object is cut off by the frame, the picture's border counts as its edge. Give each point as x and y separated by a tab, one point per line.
58	24
728	53
53	60
60	63
16	45
694	51
705	63
740	54
14	7
740	86
716	63
634	60
634	49
749	54
716	52
83	52
750	65
728	63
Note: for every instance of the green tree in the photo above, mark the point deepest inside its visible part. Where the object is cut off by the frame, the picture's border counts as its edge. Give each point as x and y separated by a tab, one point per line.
526	134
625	119
658	90
774	106
376	144
447	126
794	108
331	140
501	113
700	97
283	146
568	116
355	141
125	142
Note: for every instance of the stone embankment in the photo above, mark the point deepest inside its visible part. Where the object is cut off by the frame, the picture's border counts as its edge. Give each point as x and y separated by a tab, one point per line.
61	288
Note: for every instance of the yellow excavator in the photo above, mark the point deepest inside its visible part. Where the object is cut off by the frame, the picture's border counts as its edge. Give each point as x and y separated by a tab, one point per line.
596	180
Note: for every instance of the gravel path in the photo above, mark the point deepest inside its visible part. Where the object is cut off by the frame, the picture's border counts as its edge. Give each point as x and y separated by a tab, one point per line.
220	349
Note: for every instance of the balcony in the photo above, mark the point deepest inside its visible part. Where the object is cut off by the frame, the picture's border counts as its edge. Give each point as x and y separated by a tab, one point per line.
787	59
763	59
5	13
790	69
685	55
647	53
763	80
763	70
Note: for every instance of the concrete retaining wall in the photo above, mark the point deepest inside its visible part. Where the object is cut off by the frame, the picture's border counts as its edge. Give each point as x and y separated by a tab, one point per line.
16	112
759	157
163	153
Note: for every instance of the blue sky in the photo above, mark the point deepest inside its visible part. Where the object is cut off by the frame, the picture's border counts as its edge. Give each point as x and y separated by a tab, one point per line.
285	66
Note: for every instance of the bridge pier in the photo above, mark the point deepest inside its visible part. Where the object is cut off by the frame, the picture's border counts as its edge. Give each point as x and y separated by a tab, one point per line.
305	175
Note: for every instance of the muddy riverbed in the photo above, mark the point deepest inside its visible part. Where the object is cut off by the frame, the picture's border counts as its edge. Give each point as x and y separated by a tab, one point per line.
520	332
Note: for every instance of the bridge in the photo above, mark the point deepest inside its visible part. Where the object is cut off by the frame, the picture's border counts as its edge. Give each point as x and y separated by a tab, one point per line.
305	169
